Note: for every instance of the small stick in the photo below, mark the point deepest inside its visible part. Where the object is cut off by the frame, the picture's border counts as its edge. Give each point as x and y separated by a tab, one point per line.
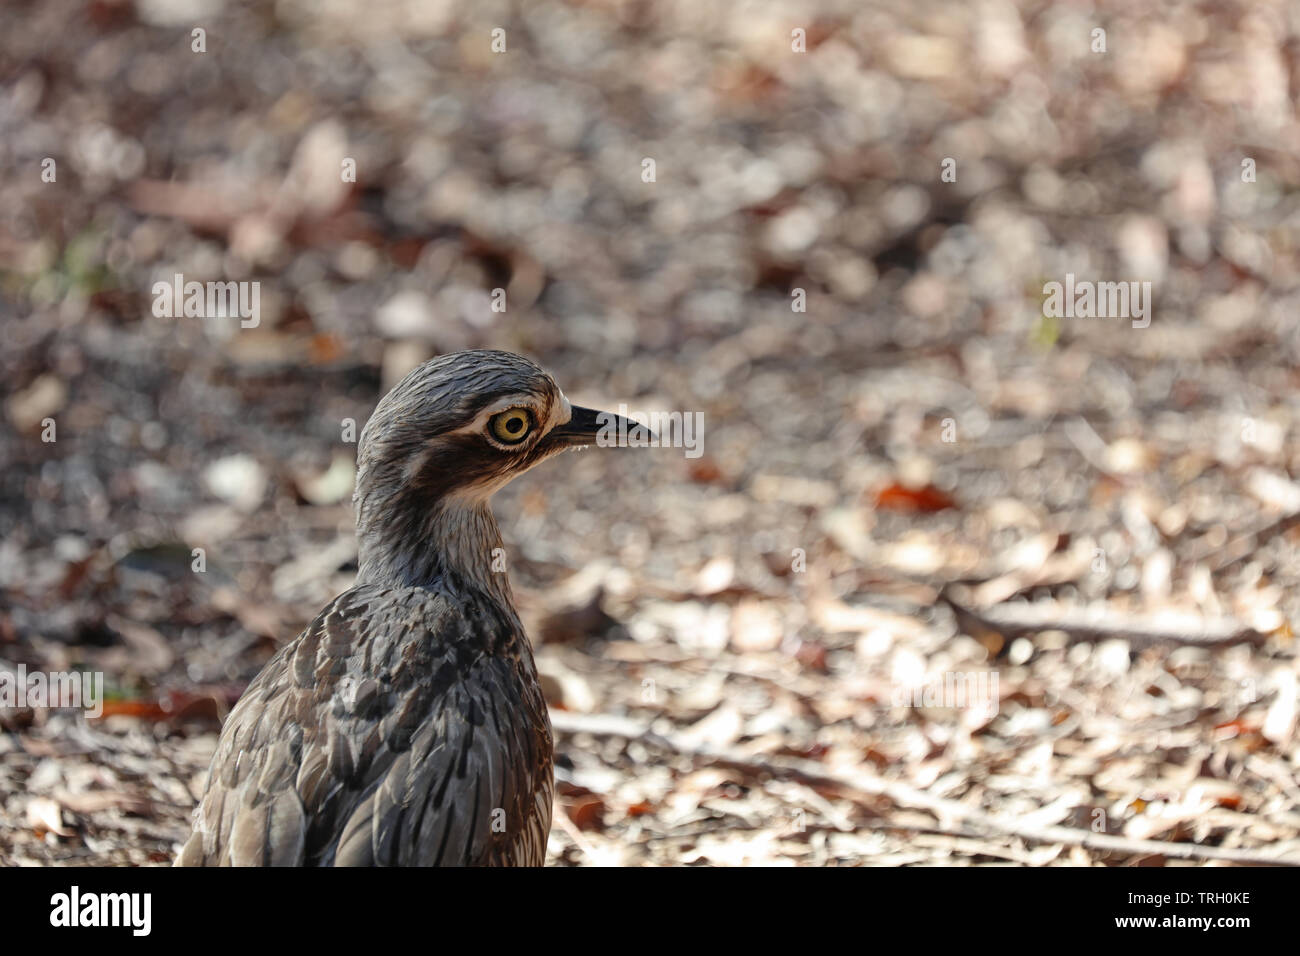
1080	625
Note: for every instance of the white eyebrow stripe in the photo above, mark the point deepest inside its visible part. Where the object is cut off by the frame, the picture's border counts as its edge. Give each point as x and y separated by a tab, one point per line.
561	411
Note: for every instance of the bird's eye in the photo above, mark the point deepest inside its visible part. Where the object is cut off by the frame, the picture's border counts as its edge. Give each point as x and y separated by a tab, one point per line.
511	426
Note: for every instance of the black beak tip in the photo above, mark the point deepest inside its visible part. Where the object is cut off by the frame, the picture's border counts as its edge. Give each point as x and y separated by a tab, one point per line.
587	426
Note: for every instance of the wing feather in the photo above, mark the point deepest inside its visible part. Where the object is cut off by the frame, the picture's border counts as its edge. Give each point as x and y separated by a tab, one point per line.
392	731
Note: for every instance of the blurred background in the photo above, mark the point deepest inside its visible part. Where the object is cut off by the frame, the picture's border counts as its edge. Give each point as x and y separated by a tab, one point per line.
910	472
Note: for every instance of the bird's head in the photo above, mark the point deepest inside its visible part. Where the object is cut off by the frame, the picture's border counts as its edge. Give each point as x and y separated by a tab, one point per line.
463	425
451	433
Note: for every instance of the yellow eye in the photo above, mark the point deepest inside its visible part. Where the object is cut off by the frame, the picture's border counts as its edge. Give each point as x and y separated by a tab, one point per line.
511	426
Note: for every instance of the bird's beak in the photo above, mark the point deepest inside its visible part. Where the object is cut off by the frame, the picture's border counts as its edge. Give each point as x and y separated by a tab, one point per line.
590	427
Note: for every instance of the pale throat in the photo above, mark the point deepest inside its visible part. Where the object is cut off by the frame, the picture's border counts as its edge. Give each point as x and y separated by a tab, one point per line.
449	542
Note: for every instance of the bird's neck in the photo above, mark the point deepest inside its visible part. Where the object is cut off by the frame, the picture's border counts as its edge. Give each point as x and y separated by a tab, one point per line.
450	544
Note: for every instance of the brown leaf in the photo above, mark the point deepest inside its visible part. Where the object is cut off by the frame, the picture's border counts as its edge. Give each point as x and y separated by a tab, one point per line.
705	471
896	497
588	812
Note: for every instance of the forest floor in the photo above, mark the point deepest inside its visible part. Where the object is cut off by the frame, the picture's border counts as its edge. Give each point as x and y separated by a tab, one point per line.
952	581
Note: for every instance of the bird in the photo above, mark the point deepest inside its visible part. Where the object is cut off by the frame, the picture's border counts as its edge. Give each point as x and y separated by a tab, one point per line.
405	725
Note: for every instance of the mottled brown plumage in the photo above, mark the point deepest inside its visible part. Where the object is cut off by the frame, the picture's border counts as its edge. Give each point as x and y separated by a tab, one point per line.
406	726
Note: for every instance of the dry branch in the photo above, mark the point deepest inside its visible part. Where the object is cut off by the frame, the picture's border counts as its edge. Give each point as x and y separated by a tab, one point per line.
1102	624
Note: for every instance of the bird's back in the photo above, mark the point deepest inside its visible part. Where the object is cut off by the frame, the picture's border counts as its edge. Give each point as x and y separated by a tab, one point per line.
404	726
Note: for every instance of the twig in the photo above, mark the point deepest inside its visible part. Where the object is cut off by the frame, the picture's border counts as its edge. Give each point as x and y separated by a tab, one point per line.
807	771
1081	625
574	834
1238	549
1091	446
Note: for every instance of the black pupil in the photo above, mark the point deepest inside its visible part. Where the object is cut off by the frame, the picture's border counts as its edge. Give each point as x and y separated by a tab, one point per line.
514	424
